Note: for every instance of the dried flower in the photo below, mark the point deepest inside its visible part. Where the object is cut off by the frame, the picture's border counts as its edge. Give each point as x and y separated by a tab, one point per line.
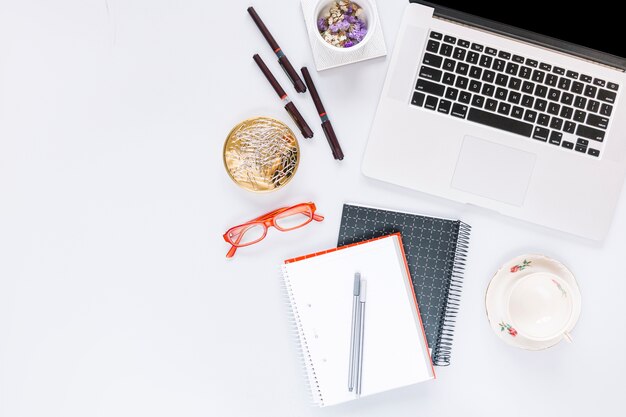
343	25
321	24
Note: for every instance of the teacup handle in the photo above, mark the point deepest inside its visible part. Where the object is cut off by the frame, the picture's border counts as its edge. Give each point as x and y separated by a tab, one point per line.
568	337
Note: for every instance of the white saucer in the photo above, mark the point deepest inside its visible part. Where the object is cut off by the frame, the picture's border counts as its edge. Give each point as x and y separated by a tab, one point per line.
507	275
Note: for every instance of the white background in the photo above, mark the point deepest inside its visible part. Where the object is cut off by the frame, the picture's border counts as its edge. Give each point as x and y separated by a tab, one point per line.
115	296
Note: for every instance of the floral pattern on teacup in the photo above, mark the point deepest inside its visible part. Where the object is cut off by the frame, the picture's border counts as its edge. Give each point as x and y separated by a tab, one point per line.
522	266
558	285
506	326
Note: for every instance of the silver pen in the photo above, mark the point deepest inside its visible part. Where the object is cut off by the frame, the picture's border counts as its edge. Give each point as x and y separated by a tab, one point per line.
359	371
354	328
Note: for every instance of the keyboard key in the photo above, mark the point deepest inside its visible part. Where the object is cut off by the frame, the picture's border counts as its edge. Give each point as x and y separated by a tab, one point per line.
462	68
478	101
530	116
463	43
519	59
429	87
578	87
572	74
597	121
515	83
527	101
593	152
448	78
585	78
432	60
606	95
475	86
475	72
593	106
543	119
504	108
498	65
418	99
554	108
490	51
500	122
473	57
491	104
540	104
555	138
531	62
590	133
570	127
517	112
459	53
580	102
583	142
525	72
432	46
538	76
606	110
599	82
446	49
551	80
545	67
567	98
448	64
541	133
590	91
501	93
564	83
554	94
502	79
452	93
435	35
444	106
504	55
488	90
558	70
477	47
556	123
465	97
567	145
612	86
488	76
580	116
514	97
449	39
528	87
459	110
512	68
431	102
541	91
580	148
430	73
567	112
485	61
461	82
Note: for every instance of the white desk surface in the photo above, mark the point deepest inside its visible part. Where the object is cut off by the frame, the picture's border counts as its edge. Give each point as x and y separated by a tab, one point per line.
115	296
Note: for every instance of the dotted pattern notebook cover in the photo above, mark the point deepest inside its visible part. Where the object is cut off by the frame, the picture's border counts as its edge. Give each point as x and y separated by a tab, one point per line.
435	249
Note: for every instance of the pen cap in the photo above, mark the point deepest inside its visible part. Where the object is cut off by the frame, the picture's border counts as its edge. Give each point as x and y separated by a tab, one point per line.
357	283
363	291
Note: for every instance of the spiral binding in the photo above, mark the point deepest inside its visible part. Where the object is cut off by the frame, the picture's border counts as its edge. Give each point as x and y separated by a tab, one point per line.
443	346
302	345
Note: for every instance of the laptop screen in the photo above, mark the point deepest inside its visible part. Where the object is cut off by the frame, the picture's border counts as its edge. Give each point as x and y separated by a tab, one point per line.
596	25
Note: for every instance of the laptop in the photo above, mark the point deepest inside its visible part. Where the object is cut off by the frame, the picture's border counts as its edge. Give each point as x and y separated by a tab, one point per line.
513	108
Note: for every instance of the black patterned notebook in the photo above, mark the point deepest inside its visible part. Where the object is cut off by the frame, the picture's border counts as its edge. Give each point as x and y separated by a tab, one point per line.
435	251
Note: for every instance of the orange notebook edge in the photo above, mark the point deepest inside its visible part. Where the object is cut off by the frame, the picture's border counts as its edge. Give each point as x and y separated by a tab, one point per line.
408	274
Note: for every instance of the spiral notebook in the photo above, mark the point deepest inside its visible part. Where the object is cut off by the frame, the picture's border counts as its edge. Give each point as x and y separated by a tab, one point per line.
435	250
320	289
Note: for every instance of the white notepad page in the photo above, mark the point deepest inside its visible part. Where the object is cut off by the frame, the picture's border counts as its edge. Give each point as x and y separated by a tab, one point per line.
395	351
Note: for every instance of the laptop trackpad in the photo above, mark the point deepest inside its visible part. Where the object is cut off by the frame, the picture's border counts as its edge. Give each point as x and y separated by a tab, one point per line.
494	171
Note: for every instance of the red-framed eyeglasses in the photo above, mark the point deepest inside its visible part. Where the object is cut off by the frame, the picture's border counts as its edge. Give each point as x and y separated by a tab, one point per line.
283	219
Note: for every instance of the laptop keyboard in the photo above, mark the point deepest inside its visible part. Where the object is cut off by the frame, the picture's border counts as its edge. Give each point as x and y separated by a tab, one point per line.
515	94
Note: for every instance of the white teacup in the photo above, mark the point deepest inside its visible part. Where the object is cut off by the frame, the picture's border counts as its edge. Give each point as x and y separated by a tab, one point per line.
540	306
